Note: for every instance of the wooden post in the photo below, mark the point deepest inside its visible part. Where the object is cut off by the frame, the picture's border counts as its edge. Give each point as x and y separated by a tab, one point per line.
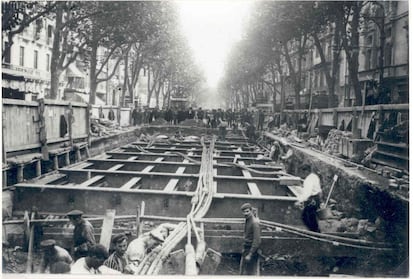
355	134
20	175
88	123
67	158
108	223
138	220
38	168
335	118
4	177
42	130
55	162
70	121
30	248
142	214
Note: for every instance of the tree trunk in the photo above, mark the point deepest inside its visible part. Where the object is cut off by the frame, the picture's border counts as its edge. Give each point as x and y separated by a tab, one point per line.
352	52
93	84
54	62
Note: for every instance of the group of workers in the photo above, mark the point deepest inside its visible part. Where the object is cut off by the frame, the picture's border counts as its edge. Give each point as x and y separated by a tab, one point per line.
89	257
308	200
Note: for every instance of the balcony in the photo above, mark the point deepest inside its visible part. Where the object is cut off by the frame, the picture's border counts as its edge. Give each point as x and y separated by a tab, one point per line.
28	73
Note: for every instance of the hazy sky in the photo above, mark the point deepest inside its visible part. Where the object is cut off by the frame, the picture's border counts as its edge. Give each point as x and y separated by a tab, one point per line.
212	27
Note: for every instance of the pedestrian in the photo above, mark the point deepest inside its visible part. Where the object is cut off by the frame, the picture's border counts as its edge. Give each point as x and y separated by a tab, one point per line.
52	255
90	263
222	129
118	260
309	198
83	234
249	264
111	114
261	120
142	245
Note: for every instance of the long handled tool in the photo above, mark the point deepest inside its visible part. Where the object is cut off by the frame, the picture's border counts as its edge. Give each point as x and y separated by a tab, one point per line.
325	211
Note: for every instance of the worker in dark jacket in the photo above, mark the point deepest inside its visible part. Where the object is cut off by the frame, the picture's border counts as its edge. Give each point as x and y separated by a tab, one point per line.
250	254
83	234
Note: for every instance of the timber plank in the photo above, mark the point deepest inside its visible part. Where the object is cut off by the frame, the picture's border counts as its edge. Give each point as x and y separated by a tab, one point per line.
116	167
131	183
91	181
171	185
253	189
50	178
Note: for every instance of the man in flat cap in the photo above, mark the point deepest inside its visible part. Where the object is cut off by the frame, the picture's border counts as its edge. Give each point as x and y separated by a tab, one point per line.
53	255
83	234
250	257
118	260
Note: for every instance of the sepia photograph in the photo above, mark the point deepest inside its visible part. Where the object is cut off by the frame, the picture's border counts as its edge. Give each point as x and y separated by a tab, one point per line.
205	138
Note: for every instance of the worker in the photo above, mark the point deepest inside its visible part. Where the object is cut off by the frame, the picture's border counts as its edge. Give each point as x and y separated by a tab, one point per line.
90	264
287	159
275	151
53	254
83	234
118	260
250	255
222	129
142	245
309	198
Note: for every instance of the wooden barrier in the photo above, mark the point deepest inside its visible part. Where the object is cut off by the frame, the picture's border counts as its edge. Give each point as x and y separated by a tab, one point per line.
21	123
364	114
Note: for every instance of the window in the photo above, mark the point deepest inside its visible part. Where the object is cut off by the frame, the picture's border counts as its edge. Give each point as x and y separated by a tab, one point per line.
8	53
21	57
49	34
35	59
47	62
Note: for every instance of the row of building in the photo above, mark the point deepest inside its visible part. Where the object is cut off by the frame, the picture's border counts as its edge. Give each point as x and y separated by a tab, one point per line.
394	71
26	72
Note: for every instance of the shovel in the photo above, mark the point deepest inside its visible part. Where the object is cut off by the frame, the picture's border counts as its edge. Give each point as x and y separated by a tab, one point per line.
325	211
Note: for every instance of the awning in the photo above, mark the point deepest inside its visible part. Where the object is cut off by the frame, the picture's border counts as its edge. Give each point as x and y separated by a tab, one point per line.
6	76
73	71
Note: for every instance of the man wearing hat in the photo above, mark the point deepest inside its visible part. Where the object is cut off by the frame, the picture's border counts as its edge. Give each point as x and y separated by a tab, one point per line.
53	255
139	247
83	234
250	257
118	260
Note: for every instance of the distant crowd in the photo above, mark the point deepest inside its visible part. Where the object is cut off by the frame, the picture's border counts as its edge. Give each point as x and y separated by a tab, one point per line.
211	118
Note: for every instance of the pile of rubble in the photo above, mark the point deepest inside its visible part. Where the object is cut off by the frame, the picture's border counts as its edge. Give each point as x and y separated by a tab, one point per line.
333	141
103	127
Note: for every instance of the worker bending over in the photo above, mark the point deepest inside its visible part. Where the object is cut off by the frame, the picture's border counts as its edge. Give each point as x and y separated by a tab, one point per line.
53	257
83	234
309	198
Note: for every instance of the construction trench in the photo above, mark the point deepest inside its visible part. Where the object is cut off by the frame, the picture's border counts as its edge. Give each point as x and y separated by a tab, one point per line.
139	179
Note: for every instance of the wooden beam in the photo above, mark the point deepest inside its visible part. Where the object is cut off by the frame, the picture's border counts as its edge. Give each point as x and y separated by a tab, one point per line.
131	183
132	158
253	189
107	226
180	170
116	167
50	178
82	165
91	181
147	169
171	185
